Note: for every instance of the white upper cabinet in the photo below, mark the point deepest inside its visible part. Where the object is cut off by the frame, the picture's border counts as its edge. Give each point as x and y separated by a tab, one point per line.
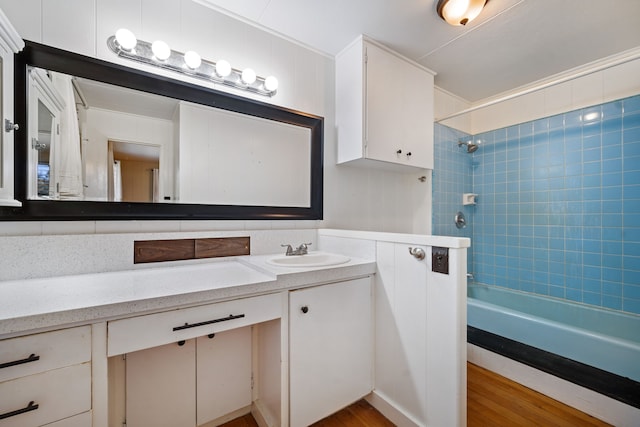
10	43
384	107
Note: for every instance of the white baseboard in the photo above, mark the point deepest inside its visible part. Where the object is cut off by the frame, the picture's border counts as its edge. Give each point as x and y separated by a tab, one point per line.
583	399
386	407
263	417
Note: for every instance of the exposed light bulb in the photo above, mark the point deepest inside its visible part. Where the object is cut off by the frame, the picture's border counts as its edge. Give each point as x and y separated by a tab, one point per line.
126	39
223	68
248	76
192	59
161	50
271	84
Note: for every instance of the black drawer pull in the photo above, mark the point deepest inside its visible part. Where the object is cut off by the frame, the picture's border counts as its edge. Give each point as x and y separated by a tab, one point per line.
208	322
32	406
31	358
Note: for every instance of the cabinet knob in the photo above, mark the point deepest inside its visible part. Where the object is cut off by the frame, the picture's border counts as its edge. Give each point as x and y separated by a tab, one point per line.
409	154
304	309
181	343
399	152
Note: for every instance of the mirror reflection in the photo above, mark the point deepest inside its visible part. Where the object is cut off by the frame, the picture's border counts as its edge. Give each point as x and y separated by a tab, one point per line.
43	150
1	118
93	141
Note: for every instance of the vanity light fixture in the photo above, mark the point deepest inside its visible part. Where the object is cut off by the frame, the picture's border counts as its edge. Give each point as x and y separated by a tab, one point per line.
460	12
248	76
223	68
125	44
271	84
126	40
192	59
161	50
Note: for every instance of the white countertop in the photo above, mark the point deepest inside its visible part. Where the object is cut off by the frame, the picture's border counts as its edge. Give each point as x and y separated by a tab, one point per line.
39	304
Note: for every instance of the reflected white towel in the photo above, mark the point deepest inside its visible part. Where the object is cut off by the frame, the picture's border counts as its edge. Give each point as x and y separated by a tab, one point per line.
69	169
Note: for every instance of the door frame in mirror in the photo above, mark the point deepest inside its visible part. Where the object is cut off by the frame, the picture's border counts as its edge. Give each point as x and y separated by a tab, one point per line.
38	55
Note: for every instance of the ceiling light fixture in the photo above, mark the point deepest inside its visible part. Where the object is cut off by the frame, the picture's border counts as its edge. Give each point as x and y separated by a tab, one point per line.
460	12
159	54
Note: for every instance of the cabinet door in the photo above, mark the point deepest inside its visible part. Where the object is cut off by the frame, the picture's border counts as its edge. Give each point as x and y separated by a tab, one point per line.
10	43
161	388
224	373
399	103
330	348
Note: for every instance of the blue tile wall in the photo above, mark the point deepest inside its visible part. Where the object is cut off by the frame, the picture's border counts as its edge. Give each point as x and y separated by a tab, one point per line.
451	179
558	209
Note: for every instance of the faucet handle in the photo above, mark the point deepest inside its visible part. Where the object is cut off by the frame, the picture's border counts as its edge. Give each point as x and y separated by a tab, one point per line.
302	249
289	249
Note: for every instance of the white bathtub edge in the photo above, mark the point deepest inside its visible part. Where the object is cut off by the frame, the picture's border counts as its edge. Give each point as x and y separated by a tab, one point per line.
583	399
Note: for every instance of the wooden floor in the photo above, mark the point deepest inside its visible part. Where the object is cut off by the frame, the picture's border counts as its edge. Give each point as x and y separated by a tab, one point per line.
492	401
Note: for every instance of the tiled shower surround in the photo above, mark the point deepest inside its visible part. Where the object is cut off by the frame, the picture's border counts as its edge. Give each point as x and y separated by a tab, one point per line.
558	209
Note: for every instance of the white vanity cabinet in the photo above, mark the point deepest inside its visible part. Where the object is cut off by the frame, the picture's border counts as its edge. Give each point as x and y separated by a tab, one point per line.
10	43
162	383
190	367
330	348
161	386
46	378
384	107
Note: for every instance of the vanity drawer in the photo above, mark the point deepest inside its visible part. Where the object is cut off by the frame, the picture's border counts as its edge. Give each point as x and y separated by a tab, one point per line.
32	354
138	333
58	394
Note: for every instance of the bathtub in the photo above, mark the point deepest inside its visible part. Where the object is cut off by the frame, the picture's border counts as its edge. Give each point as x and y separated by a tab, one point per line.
601	338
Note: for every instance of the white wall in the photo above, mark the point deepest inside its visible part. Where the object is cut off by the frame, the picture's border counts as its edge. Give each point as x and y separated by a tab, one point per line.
446	103
608	84
354	198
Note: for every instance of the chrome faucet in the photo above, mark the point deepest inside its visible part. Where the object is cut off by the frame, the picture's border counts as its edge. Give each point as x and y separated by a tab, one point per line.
300	250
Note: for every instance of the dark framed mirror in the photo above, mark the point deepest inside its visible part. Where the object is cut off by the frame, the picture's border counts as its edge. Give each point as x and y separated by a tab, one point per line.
41	202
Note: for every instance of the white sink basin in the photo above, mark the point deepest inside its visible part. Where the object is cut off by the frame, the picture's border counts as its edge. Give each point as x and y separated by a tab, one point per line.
313	259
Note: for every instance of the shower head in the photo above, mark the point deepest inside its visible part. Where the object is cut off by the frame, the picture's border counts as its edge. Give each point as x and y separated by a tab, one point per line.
471	147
